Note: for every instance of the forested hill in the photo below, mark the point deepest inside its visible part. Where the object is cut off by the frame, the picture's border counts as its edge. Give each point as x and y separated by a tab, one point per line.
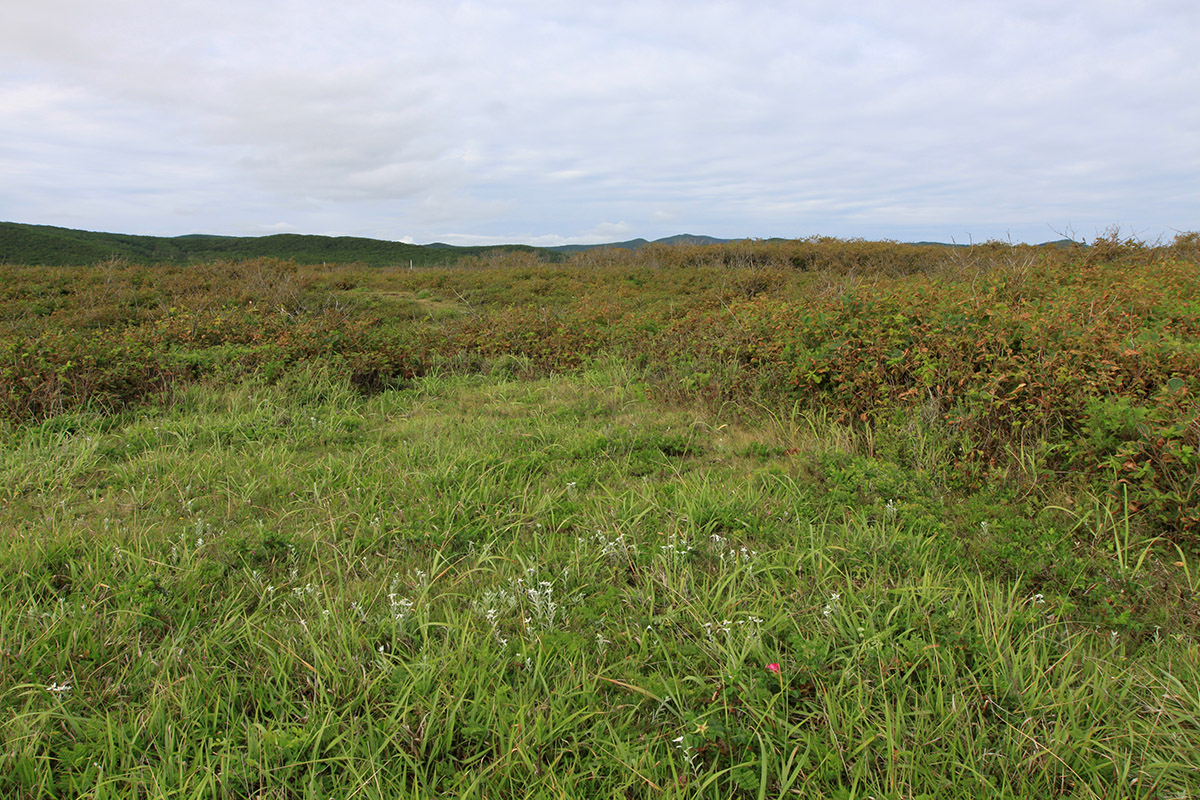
46	245
36	245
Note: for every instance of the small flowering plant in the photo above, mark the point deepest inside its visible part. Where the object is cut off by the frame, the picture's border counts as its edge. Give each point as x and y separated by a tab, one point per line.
779	684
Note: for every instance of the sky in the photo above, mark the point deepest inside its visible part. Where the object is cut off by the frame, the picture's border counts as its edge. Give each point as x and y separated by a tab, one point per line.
551	122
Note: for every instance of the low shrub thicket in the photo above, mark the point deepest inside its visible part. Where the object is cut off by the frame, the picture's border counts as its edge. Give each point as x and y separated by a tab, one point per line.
1031	362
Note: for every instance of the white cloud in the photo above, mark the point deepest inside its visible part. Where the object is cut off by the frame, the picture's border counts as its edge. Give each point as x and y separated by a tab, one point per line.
600	234
532	119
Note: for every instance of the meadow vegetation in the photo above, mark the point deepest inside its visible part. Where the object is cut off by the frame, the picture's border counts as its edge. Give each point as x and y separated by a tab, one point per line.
814	518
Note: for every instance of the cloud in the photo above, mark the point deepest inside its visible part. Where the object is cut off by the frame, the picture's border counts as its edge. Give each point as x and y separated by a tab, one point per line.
535	119
602	233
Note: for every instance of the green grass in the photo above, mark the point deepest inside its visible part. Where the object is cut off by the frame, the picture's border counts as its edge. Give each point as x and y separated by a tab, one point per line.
1061	373
479	586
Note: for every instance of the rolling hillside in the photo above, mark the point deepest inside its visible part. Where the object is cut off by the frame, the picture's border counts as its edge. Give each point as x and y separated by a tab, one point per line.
46	245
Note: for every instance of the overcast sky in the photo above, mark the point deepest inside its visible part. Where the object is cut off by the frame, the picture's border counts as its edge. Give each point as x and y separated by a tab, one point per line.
550	122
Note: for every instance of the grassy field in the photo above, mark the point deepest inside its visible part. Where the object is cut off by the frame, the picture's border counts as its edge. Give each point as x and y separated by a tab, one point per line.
744	521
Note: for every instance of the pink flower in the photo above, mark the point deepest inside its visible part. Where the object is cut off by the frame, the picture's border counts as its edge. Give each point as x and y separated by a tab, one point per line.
774	668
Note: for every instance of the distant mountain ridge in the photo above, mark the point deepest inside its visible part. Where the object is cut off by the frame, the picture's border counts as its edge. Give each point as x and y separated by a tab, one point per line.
637	244
47	245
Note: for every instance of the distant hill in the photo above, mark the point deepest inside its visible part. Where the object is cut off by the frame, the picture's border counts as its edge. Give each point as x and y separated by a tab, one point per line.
1055	243
632	244
47	245
637	244
691	238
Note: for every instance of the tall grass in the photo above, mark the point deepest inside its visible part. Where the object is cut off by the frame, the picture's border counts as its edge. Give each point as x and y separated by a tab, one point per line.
480	586
1036	366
